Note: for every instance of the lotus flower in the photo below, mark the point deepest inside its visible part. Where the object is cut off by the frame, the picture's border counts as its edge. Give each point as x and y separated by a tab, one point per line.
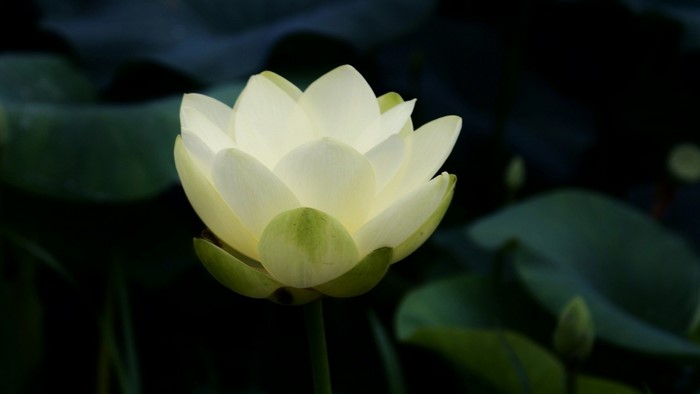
311	193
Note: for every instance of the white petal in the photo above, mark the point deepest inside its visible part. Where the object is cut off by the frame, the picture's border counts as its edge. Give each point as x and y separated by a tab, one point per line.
200	151
252	191
209	205
204	128
283	84
332	177
386	159
268	122
340	104
403	218
429	147
212	109
389	123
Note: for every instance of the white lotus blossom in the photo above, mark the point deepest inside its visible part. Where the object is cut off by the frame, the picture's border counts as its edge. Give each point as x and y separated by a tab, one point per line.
311	193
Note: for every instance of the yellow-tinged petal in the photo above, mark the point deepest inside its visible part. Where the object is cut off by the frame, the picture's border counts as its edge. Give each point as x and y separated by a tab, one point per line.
389	123
430	146
234	273
196	123
305	247
332	177
214	110
388	101
269	123
291	89
387	159
405	218
250	189
362	278
340	104
415	240
209	205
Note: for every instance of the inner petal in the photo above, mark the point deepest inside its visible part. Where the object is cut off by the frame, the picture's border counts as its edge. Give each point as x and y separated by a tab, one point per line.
268	122
252	191
340	104
332	177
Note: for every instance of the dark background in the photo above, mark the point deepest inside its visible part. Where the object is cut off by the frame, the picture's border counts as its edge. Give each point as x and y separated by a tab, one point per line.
96	261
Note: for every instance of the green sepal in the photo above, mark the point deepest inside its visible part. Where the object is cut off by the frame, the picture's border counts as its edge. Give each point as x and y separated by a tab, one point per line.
362	278
234	273
294	296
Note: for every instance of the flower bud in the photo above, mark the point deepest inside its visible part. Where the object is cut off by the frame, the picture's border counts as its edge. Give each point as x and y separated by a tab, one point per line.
684	163
574	334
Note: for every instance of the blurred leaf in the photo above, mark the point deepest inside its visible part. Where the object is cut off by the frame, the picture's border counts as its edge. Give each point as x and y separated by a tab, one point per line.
470	321
390	359
592	385
471	301
219	40
37	252
508	361
62	146
639	280
42	78
21	334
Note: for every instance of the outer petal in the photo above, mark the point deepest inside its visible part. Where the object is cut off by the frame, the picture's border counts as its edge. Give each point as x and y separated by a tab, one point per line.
196	123
209	205
340	104
423	233
283	84
405	224
214	110
427	148
362	278
430	146
332	177
305	247
199	150
268	121
251	190
233	273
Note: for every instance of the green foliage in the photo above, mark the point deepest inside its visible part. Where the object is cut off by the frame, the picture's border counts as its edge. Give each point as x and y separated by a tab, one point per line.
639	279
60	142
469	322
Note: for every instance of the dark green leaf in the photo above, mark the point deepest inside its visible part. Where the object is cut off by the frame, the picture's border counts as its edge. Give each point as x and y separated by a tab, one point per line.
639	279
60	145
507	361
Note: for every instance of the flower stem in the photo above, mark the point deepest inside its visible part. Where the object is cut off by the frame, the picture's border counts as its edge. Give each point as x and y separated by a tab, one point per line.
313	315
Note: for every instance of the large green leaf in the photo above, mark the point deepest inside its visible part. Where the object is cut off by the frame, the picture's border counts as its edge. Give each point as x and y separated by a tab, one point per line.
471	301
60	143
641	282
507	361
470	321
